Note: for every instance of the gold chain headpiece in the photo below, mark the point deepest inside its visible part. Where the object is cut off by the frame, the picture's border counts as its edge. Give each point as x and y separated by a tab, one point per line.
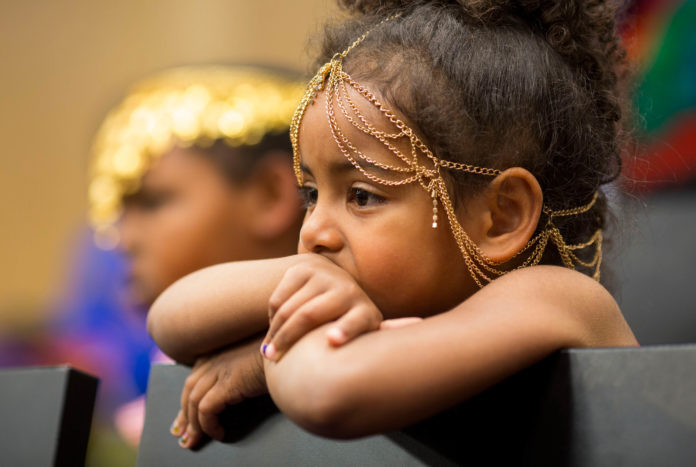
332	79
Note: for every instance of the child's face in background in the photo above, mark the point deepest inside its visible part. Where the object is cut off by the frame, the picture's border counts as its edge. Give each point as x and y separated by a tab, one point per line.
382	235
185	216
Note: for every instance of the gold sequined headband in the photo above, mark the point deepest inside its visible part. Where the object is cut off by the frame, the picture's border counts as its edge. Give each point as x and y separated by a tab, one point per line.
335	82
183	106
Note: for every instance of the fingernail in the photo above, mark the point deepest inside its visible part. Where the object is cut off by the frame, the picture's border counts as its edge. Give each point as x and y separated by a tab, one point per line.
183	440
336	335
269	352
263	349
175	429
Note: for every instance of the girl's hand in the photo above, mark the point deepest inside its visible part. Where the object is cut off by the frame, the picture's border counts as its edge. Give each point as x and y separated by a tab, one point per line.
216	381
314	292
399	322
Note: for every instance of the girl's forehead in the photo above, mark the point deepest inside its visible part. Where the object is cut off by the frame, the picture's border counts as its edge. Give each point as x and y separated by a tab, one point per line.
316	138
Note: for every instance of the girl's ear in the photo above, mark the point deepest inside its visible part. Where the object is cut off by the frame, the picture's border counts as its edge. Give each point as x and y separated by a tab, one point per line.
273	204
505	217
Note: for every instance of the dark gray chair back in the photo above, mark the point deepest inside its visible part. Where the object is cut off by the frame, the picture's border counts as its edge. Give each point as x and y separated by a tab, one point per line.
579	407
656	266
46	413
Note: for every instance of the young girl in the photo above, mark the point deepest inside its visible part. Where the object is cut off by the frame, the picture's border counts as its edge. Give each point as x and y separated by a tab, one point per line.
451	156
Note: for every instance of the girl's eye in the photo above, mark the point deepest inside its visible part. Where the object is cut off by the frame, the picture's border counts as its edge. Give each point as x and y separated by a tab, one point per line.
364	198
308	196
147	201
154	202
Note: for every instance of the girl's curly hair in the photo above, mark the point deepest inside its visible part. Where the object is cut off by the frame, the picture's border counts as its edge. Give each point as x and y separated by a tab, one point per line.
531	83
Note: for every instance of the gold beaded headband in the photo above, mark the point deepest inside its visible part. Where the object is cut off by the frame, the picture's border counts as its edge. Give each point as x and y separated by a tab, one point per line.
332	79
182	106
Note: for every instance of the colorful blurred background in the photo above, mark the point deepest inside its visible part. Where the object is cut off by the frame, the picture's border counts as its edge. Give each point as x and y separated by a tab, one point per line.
662	43
65	64
654	250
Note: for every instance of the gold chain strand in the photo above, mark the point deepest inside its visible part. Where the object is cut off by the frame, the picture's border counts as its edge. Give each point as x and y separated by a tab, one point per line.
572	211
384	139
342	142
367	128
371	131
337	132
336	84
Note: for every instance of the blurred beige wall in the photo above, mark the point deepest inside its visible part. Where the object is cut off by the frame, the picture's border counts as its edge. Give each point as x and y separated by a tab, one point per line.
64	64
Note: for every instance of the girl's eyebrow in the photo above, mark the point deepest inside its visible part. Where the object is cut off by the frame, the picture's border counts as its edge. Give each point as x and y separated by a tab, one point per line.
340	168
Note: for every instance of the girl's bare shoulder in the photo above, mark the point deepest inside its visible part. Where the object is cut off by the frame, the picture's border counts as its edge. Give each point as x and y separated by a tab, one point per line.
560	295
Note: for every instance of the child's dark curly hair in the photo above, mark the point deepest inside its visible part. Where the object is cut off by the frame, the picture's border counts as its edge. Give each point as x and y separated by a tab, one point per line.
530	83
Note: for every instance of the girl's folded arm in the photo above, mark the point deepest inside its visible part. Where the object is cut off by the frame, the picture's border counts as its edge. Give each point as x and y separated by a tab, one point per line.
389	379
214	307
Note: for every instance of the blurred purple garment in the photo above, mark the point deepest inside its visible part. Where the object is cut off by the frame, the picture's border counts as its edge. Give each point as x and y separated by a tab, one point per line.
98	329
92	327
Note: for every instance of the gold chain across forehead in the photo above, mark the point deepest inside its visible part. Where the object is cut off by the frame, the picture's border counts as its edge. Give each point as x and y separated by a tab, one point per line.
421	166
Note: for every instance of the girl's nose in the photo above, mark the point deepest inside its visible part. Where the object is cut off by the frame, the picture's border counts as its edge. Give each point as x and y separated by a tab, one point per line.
128	230
319	233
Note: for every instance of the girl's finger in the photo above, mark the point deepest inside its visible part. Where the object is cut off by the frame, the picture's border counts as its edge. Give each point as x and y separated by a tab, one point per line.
181	422
209	409
177	428
293	280
310	315
193	432
399	322
358	320
297	301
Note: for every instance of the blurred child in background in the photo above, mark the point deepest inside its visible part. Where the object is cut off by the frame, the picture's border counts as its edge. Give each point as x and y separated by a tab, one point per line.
191	169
